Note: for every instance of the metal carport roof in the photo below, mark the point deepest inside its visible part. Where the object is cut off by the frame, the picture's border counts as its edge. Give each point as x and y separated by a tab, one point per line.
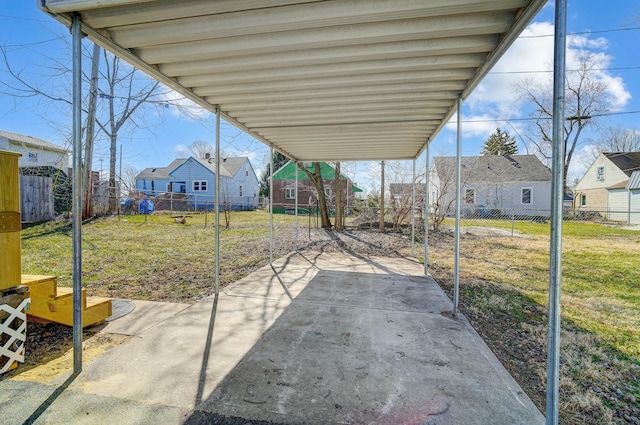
317	80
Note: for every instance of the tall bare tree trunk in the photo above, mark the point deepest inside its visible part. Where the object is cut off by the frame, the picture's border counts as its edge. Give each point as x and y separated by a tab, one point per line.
382	197
322	198
318	183
339	224
87	181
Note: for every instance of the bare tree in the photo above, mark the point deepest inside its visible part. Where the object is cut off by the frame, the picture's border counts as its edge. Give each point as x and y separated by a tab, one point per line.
87	179
200	149
124	90
316	178
120	108
586	97
401	181
338	182
618	139
128	179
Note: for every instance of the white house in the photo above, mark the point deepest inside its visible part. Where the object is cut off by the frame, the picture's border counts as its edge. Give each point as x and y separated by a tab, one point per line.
195	177
35	152
607	187
514	184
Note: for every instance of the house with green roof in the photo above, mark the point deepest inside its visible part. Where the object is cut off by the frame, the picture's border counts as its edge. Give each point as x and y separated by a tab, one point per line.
284	189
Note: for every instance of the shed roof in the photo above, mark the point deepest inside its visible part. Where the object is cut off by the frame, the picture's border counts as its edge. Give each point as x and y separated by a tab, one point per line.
497	168
33	142
634	181
318	80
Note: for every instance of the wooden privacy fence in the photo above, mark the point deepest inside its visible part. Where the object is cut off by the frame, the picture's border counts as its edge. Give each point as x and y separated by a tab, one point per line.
36	199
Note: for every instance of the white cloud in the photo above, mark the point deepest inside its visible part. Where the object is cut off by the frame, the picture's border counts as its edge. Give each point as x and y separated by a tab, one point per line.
180	106
531	58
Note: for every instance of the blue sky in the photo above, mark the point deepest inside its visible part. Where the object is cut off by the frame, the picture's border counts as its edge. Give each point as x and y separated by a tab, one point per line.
608	29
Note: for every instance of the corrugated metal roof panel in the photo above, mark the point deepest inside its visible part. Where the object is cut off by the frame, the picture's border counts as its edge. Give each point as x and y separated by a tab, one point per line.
319	80
634	181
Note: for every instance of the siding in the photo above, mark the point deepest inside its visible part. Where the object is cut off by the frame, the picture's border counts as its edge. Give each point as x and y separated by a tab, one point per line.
635	207
152	186
618	202
250	186
192	170
188	172
595	189
506	196
42	155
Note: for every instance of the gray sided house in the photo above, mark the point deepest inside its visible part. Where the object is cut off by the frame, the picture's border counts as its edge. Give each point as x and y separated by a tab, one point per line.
196	178
512	184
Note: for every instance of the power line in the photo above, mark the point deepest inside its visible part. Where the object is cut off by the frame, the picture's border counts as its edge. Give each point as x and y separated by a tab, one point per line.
620	68
607	114
584	32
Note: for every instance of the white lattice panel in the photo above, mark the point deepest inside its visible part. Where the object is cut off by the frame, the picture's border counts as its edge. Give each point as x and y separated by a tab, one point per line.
12	350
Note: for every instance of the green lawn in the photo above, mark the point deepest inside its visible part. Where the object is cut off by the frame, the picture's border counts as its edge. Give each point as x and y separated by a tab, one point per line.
152	257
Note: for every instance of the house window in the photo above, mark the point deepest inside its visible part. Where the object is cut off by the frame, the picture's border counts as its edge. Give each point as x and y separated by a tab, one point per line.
525	197
470	196
168	187
290	193
601	173
240	191
583	200
327	192
246	171
199	185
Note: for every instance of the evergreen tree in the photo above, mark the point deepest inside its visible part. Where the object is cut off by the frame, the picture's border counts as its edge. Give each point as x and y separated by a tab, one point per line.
279	160
500	143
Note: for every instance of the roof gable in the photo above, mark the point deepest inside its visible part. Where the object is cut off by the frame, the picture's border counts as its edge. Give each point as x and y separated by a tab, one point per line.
496	168
228	166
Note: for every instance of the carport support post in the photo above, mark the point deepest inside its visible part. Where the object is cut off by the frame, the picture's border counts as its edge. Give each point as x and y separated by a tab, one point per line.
296	207
557	196
426	211
76	48
413	211
271	206
217	201
456	255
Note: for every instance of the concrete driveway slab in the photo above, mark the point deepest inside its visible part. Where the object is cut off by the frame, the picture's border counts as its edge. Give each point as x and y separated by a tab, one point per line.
318	338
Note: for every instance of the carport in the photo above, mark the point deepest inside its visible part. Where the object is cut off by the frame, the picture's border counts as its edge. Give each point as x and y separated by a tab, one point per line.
322	81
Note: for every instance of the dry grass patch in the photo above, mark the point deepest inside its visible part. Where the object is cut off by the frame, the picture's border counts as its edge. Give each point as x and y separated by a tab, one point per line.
504	287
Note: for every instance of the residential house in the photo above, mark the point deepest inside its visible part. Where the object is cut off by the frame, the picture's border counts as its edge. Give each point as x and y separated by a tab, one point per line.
607	187
156	180
35	152
195	177
284	189
45	188
511	184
